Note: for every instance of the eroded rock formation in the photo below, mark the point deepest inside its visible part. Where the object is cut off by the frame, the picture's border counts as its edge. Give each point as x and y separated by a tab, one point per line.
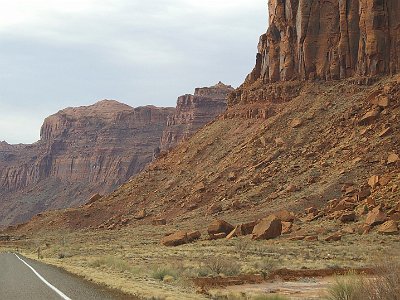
81	151
194	111
331	39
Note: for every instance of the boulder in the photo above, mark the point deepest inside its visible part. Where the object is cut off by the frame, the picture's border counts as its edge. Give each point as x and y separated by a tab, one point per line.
220	226
370	117
193	236
296	123
268	228
159	222
287	227
175	239
349	216
376	216
392	158
214	209
373	181
140	214
389	228
334	237
247	228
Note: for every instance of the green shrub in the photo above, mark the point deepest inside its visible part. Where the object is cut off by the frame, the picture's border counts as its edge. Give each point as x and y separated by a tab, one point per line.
161	272
219	265
348	287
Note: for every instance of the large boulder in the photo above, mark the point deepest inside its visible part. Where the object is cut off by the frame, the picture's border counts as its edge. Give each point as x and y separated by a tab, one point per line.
175	239
268	228
376	216
220	226
285	215
390	227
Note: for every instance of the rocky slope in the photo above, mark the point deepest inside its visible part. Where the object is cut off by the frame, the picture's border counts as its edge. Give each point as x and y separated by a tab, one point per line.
282	143
81	151
193	112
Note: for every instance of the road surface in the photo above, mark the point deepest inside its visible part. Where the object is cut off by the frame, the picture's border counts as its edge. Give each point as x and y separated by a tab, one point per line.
22	278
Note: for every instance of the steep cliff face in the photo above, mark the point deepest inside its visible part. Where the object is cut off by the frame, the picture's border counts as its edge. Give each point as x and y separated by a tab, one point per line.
193	112
331	39
81	151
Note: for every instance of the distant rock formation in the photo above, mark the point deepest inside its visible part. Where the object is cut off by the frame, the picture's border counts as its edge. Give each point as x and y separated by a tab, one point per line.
332	39
193	112
81	151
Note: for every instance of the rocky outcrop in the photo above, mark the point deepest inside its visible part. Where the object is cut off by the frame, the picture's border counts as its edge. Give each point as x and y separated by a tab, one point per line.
81	151
330	39
193	112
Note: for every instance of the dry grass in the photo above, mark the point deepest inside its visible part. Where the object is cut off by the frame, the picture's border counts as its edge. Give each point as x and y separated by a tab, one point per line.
133	261
384	286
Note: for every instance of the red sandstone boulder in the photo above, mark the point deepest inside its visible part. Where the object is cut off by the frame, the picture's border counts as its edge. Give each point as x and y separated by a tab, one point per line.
376	216
175	239
159	222
268	228
214	209
349	216
193	236
220	226
285	215
389	228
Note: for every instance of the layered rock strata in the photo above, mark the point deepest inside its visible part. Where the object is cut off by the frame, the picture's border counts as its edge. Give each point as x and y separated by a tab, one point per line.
193	112
331	39
81	151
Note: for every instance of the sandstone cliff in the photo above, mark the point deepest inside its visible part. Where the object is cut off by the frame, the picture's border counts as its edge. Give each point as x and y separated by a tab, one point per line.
332	39
193	112
81	151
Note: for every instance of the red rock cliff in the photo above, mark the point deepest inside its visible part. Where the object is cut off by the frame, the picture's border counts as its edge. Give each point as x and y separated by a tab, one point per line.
330	39
193	112
81	151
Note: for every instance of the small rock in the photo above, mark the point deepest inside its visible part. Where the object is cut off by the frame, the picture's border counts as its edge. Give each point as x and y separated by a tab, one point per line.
385	132
140	214
311	238
200	187
159	222
296	123
279	142
392	158
232	176
369	117
214	209
373	181
334	237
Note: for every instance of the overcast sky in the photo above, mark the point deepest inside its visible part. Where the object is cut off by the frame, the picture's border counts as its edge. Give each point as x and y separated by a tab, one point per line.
60	53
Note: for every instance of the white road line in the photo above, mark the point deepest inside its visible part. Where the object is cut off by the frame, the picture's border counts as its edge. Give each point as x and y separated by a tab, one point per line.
61	294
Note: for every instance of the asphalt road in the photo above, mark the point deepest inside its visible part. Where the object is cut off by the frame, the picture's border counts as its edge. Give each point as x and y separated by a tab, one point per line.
22	278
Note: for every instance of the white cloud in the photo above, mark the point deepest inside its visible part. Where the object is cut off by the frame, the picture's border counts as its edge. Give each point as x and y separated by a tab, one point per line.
58	53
